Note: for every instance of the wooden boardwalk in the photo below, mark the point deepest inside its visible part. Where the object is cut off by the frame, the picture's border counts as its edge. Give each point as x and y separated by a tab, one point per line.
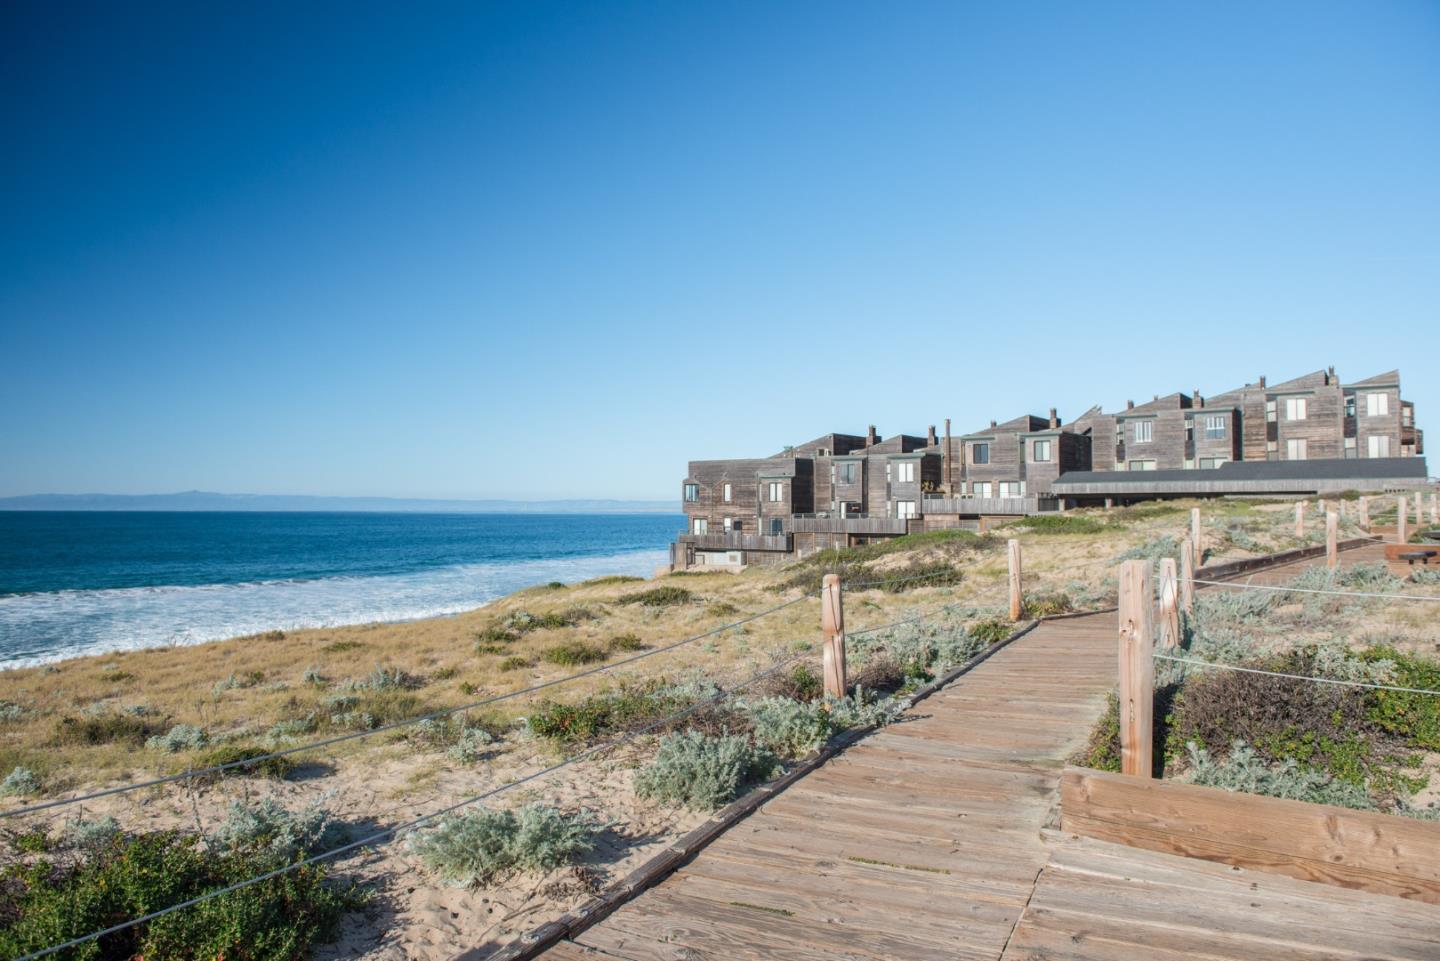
933	839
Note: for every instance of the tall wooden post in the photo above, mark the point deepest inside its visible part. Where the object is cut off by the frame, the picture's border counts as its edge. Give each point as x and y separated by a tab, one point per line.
1434	509
1419	510
1137	669
1017	598
1195	543
1187	578
1109	503
1169	604
1300	520
1365	512
832	629
1402	536
1332	541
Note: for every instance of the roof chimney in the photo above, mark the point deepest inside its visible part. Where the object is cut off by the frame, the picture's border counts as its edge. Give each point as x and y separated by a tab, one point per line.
1330	375
1129	405
870	438
930	439
1054	421
1262	380
1196	400
1157	397
992	422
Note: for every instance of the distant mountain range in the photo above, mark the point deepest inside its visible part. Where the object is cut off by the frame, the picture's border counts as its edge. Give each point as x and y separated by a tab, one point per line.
208	501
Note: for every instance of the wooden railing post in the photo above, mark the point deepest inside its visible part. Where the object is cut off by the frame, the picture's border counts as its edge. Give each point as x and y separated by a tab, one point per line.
1017	598
1187	579
1300	520
1195	543
1365	512
1169	604
1402	536
1332	539
1137	669
1419	510
1434	509
832	629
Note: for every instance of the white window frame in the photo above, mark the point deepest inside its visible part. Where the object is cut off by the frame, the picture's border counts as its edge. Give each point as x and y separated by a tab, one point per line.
1377	404
1214	426
982	488
905	472
727	493
729	524
974	452
1296	408
904	509
691	493
1140	465
1144	432
1297	448
1012	489
699	525
1377	445
775	493
1271	414
1042	452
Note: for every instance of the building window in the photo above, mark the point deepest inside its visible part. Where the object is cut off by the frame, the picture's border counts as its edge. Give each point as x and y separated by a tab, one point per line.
1296	448
1379	445
699	525
905	509
1377	405
776	492
1272	450
905	472
1350	450
729	524
1042	451
1215	427
982	488
979	453
1140	465
777	526
1211	463
1012	489
728	493
692	493
846	473
1270	411
1144	431
1294	408
1350	405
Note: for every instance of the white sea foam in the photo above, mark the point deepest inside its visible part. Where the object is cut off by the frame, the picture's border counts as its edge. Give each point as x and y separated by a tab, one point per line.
39	628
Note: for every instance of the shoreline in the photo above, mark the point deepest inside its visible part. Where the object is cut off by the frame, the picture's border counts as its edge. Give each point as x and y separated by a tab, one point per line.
262	607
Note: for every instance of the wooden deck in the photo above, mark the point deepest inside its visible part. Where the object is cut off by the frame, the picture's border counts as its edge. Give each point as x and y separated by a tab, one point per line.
933	838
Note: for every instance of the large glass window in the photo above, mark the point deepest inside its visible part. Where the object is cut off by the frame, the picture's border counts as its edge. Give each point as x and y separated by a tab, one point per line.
905	472
846	473
1378	446
1144	431
776	492
729	493
982	488
1377	405
700	525
1012	489
1215	426
1295	408
904	508
1140	465
692	493
1042	451
979	453
1297	448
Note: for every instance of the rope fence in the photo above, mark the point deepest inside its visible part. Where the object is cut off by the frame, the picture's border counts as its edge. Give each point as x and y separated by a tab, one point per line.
1297	677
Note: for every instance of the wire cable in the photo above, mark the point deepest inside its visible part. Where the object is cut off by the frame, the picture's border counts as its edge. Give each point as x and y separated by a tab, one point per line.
1308	590
339	739
392	832
1297	677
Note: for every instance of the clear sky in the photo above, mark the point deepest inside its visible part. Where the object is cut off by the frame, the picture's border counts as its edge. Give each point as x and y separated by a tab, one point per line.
548	250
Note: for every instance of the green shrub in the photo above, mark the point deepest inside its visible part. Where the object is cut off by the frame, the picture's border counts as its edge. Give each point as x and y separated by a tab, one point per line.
107	728
1048	604
1245	771
992	630
20	781
277	919
627	643
1426	576
1415	717
278	768
721	609
482	649
513	663
627	707
479	845
703	772
667	596
1102	750
1152	550
575	653
389	679
271	828
288	732
117	677
470	746
88	835
794	729
523	622
494	636
1062	524
314	678
10	711
181	737
340	647
611	579
797	684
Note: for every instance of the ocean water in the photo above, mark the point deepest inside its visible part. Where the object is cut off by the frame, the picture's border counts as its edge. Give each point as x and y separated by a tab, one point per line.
75	583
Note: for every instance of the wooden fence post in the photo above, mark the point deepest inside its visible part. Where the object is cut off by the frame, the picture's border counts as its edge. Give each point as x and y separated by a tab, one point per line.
832	629
1419	511
1109	503
1332	539
1402	536
1195	543
1137	669
1434	509
1299	520
1017	599
1169	604
1187	579
1365	512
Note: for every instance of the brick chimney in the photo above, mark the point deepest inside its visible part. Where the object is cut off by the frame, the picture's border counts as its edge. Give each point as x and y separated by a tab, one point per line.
870	439
992	423
1330	376
1262	380
1196	400
1129	405
1054	420
930	439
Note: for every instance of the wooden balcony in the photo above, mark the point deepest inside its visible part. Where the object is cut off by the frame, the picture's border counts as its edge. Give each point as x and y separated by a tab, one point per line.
1018	506
812	524
738	541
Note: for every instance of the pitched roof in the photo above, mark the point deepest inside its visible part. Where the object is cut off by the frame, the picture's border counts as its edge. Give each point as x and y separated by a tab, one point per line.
1379	380
1022	425
1175	401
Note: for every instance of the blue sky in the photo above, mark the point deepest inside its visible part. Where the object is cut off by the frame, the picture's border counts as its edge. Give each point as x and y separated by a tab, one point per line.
442	250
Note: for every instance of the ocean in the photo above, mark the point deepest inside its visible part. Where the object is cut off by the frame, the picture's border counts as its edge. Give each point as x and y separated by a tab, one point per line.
74	583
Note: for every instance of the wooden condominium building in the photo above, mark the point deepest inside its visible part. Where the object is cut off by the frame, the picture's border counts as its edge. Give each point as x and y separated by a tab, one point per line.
1309	435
